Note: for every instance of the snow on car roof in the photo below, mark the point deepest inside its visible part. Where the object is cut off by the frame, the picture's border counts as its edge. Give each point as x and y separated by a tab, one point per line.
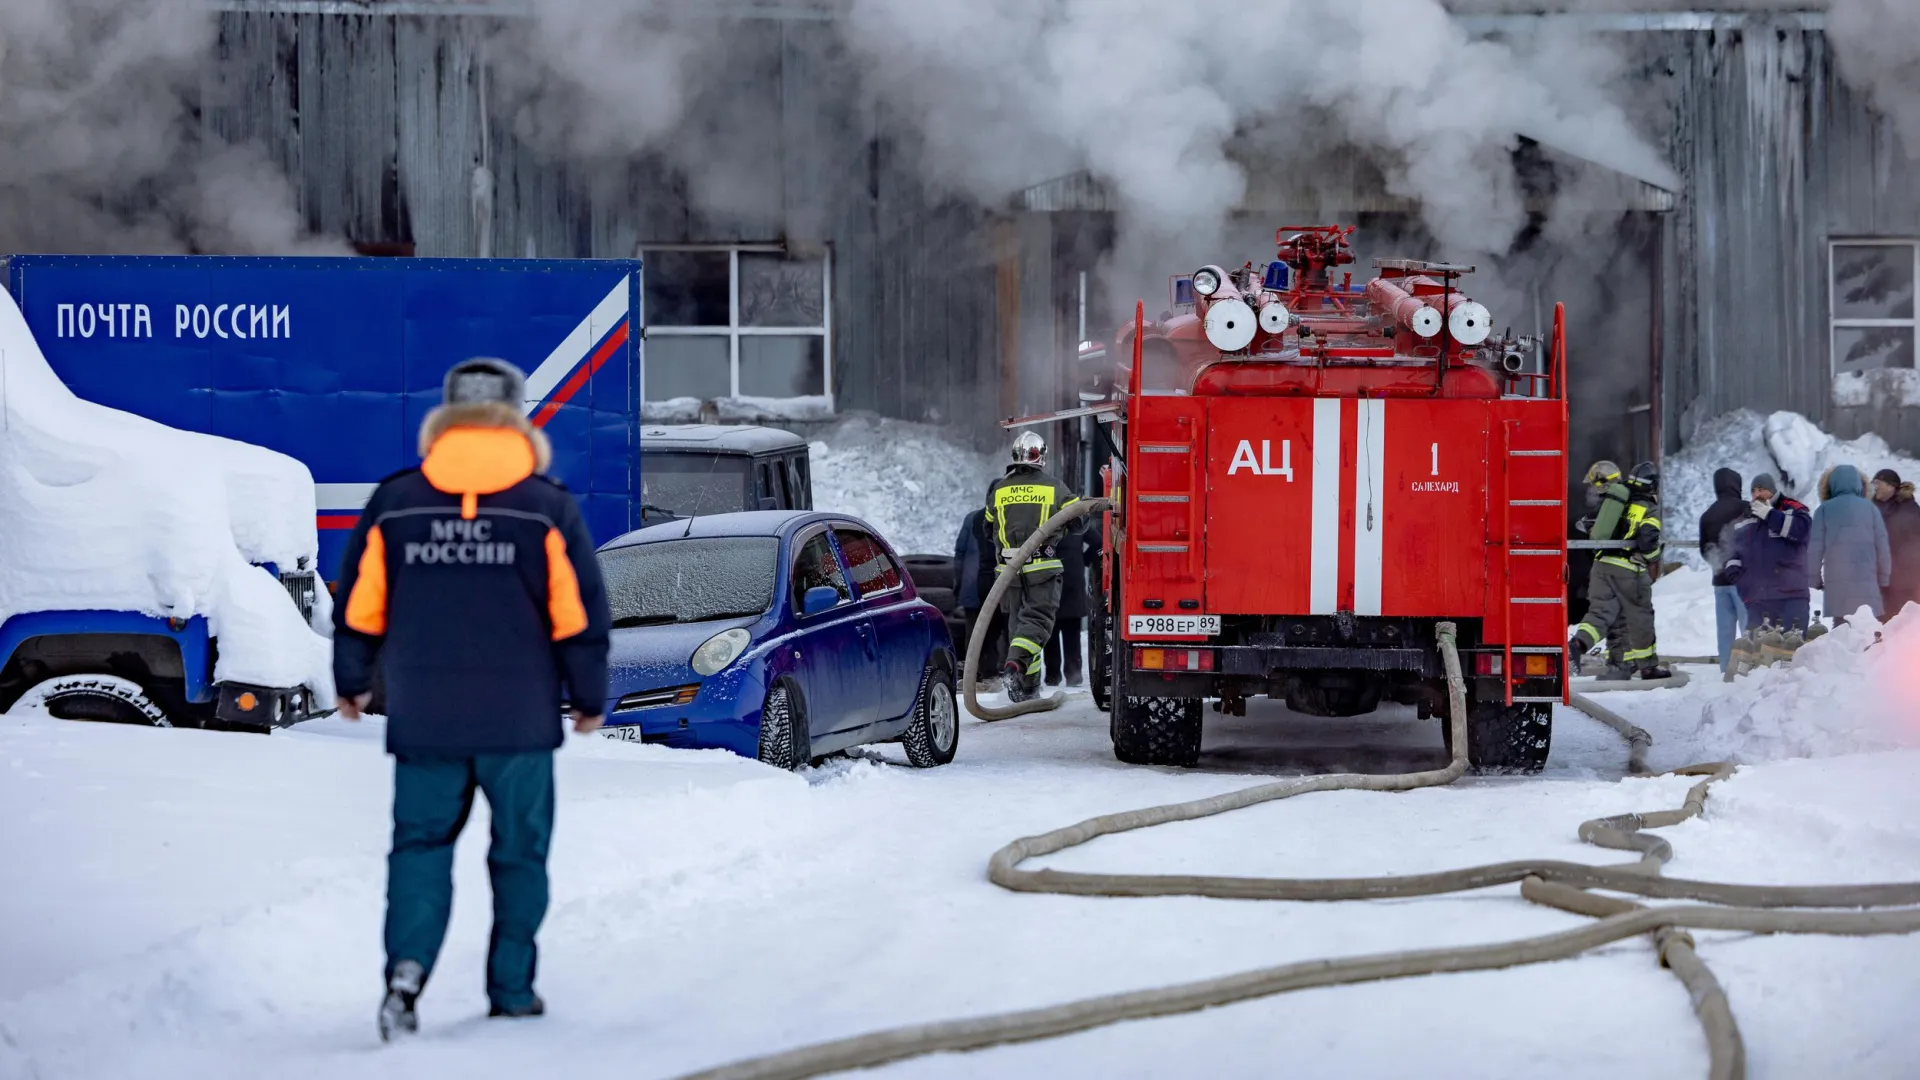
731	438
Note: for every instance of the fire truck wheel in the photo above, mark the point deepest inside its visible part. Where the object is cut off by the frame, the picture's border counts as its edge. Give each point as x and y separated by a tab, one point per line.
1156	731
1505	738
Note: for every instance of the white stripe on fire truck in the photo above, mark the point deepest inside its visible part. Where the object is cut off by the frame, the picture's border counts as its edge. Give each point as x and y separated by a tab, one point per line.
1324	584
1369	510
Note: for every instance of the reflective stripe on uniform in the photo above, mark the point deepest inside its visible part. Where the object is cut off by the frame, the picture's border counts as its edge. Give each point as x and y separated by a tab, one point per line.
1038	495
1632	655
1623	563
1038	565
1592	632
1025	643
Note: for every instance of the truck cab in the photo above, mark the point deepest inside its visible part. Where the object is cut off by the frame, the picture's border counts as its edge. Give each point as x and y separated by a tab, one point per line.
692	470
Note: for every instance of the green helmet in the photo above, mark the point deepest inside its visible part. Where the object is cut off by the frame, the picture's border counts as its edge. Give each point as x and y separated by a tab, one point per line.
1603	473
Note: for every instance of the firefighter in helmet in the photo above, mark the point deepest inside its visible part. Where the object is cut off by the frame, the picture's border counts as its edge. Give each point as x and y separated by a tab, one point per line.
1620	588
1017	505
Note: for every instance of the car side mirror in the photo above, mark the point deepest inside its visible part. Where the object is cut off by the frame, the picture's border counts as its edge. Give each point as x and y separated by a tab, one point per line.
818	599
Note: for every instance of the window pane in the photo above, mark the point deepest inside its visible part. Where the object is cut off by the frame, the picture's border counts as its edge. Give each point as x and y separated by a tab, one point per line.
685	288
779	291
686	484
873	570
1873	281
814	567
694	367
690	580
782	367
1865	348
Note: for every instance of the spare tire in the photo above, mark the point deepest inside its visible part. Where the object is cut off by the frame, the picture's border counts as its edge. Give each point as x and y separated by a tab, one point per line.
931	572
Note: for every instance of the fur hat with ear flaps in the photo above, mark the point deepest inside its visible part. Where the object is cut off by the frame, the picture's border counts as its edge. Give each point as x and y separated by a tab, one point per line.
485	393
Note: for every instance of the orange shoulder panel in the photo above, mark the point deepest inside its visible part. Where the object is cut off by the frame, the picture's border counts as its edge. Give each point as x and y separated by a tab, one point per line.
564	606
367	605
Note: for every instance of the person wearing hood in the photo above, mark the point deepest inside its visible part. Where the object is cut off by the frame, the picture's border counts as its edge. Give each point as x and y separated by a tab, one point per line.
471	582
1770	558
1719	527
1847	552
1894	497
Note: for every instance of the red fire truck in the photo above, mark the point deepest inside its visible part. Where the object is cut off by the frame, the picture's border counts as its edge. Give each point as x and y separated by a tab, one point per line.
1310	474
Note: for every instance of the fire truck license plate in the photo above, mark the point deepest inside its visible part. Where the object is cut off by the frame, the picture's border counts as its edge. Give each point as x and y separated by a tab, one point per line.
1185	625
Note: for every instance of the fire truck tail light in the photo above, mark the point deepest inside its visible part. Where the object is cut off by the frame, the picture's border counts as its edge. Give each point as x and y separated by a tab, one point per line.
1486	663
1541	664
1173	659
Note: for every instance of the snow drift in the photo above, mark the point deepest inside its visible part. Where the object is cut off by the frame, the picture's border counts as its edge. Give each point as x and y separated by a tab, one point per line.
104	510
911	481
1855	690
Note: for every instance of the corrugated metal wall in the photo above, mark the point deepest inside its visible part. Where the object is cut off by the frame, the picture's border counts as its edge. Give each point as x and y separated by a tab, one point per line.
381	123
1778	155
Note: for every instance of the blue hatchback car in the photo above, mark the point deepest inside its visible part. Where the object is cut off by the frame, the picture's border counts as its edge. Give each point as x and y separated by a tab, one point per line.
782	635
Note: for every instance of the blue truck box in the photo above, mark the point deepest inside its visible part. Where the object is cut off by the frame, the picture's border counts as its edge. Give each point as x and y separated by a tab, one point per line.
335	361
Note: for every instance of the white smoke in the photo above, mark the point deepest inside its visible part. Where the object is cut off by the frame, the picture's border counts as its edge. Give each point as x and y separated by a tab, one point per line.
1877	44
1149	96
103	152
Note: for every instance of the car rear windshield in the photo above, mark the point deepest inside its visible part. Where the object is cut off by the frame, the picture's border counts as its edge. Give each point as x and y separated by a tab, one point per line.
682	484
690	580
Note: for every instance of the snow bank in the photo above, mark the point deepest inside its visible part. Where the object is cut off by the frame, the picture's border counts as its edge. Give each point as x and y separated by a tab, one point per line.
1786	444
690	410
1855	690
104	510
914	482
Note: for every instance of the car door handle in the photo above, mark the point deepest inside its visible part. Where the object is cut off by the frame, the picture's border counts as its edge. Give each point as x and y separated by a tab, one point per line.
867	638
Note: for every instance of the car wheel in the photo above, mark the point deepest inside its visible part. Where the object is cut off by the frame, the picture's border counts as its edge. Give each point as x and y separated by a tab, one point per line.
1154	730
934	734
105	698
1505	738
784	739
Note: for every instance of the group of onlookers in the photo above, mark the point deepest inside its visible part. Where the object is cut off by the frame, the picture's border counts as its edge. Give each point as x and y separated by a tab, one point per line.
1769	552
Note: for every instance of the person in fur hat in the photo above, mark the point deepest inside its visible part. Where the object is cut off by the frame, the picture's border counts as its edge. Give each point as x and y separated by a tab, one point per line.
471	582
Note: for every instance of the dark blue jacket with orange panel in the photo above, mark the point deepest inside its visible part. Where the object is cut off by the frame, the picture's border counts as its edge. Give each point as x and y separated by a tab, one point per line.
472	582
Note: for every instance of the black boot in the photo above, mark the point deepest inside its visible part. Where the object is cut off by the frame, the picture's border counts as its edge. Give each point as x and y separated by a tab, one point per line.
536	1007
397	1018
1016	683
1654	671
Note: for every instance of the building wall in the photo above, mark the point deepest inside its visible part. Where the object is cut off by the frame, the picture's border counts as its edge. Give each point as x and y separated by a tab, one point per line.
1777	156
393	136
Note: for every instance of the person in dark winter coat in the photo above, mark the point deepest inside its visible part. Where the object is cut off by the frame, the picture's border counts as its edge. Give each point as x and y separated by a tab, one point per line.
471	582
1080	555
1894	497
1847	551
1719	527
974	568
1770	558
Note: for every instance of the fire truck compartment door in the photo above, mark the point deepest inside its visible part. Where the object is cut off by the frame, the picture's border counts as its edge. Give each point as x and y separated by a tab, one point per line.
1319	505
1264	485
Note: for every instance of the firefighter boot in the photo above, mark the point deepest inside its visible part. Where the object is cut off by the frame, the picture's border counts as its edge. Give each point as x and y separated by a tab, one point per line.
1651	670
1016	683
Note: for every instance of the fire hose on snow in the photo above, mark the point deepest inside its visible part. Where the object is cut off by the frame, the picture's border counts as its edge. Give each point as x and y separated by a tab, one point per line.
1758	909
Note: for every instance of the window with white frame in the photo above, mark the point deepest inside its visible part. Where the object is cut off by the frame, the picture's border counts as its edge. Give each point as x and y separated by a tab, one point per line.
1872	300
741	321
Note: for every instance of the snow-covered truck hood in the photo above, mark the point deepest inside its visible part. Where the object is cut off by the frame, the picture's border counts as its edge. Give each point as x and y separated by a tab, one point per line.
104	510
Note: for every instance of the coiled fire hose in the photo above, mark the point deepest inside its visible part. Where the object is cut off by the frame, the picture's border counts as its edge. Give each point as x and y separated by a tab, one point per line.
1754	909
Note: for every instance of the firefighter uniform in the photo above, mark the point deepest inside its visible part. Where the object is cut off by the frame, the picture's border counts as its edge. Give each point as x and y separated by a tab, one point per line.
1620	587
1017	505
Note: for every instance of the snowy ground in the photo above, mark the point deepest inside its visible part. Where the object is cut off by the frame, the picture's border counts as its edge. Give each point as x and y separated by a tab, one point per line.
207	905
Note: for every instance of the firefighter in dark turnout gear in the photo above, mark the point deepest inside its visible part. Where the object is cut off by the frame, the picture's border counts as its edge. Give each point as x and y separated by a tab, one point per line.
1620	588
471	582
1017	505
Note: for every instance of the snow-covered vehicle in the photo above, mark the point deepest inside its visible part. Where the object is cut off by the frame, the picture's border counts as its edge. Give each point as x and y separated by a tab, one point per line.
687	470
149	575
779	635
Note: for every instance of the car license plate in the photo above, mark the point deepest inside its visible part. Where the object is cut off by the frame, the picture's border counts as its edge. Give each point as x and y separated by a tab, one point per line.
1174	625
623	733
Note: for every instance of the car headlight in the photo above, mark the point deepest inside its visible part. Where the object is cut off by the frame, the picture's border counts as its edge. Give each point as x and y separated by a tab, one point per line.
720	650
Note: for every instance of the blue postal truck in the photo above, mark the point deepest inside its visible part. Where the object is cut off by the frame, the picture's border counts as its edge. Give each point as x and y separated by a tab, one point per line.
332	361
